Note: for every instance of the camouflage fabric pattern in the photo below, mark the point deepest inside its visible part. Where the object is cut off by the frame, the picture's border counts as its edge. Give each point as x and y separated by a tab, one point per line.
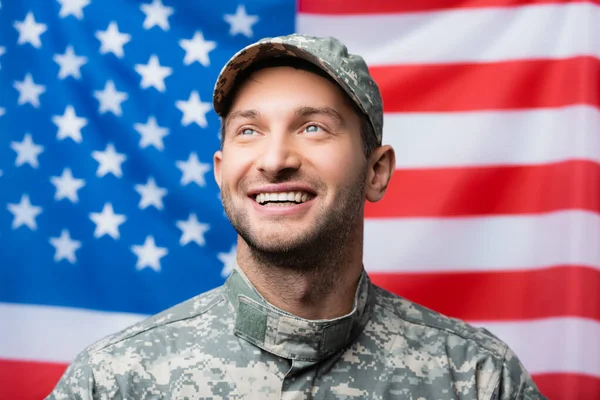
348	70
229	343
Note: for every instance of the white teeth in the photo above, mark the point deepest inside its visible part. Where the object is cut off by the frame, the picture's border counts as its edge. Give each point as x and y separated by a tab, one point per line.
274	198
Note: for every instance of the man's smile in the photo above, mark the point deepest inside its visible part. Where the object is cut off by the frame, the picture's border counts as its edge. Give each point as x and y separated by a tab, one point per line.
282	199
281	195
282	203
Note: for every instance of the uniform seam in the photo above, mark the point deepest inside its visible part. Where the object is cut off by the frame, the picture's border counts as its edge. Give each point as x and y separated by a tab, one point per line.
497	380
220	299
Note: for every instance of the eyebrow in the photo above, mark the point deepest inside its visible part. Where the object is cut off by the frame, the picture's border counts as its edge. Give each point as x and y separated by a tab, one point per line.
328	111
248	114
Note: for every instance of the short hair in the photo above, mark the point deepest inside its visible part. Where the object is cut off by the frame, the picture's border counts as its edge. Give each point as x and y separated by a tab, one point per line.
367	132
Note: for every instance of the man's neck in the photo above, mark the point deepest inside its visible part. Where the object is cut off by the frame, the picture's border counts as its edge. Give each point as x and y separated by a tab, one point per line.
324	292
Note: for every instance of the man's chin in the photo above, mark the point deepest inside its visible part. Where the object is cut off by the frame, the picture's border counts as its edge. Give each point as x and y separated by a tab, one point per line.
277	242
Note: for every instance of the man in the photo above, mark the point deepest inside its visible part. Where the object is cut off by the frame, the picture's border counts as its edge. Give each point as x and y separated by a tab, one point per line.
298	319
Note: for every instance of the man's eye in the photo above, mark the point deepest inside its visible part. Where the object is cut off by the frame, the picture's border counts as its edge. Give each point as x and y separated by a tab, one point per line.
312	128
247	132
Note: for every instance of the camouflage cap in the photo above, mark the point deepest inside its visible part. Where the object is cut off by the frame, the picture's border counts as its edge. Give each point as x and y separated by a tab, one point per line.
348	70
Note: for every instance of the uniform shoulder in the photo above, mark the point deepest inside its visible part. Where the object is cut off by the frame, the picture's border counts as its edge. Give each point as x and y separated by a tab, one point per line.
196	307
417	314
94	368
498	371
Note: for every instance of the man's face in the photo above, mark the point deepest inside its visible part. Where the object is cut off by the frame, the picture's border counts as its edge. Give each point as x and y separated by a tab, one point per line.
292	169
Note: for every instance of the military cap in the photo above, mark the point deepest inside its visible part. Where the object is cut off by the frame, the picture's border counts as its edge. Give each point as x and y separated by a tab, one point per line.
327	53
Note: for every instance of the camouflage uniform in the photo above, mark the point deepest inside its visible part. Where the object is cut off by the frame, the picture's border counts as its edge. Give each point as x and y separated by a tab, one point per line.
230	343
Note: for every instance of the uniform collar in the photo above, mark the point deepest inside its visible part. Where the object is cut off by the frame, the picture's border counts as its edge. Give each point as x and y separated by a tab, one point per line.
288	336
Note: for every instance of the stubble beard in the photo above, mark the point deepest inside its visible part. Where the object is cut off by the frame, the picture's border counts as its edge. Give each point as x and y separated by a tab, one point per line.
315	250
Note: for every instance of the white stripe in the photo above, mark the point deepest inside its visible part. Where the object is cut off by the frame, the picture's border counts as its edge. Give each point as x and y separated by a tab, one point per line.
488	34
483	243
54	334
559	345
430	140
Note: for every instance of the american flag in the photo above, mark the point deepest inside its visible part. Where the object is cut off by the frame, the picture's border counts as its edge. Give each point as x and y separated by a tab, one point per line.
109	212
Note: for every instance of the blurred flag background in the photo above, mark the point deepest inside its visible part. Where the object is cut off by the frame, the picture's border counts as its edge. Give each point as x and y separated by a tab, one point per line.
109	211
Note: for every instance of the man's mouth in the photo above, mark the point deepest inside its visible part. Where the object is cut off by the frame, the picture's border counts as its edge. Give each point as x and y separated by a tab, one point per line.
281	199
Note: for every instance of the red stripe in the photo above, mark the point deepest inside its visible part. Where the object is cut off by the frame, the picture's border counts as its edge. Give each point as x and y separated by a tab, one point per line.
26	380
568	386
349	7
490	190
489	86
32	381
501	295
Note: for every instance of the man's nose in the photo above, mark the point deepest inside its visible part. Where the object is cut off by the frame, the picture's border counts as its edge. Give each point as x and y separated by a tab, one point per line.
279	155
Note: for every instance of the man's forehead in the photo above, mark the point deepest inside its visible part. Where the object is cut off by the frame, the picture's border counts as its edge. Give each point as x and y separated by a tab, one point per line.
257	76
326	92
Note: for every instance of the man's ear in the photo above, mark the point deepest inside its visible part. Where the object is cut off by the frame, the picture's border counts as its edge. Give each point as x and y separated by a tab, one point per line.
381	165
217	158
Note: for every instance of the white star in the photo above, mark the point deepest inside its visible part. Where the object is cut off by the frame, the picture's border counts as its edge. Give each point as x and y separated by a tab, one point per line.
229	261
156	14
65	247
112	40
67	186
152	134
197	49
193	170
151	195
240	22
2	111
149	255
70	63
194	110
153	74
72	7
2	51
27	151
109	161
110	99
30	31
107	222
24	213
29	92
192	230
69	125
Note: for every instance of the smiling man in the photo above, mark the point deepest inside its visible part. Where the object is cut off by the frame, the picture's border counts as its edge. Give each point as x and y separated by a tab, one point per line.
298	318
